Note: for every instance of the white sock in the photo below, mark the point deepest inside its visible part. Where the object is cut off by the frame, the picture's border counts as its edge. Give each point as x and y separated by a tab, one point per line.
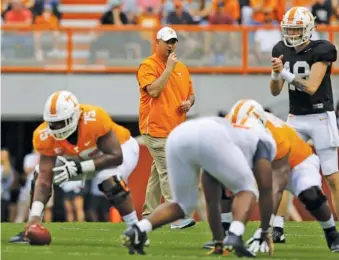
226	217
41	217
278	222
145	225
130	219
237	228
327	224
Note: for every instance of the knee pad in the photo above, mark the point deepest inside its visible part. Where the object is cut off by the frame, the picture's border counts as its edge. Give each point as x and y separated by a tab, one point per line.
117	192
226	194
312	198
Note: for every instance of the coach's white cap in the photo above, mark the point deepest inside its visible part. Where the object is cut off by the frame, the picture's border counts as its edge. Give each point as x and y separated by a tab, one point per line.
166	33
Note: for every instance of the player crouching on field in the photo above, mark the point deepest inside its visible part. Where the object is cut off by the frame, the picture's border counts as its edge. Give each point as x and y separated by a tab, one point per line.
228	154
304	179
77	141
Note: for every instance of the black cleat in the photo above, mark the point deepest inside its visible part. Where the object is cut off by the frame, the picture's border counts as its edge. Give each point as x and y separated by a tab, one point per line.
209	245
217	249
134	240
19	239
234	242
278	235
332	239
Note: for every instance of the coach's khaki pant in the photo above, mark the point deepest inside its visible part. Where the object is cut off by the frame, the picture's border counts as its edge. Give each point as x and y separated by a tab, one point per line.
157	185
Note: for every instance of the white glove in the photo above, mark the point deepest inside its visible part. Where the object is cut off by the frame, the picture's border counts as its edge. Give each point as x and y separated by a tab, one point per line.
257	244
64	173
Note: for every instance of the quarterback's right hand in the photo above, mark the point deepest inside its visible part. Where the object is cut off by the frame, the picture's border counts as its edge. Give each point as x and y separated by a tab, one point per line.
172	60
261	242
277	64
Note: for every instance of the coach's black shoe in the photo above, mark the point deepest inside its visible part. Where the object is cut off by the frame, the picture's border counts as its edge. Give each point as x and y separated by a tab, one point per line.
19	238
234	242
278	235
134	240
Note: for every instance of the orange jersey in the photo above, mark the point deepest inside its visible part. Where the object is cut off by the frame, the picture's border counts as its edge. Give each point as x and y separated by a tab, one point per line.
298	148
94	123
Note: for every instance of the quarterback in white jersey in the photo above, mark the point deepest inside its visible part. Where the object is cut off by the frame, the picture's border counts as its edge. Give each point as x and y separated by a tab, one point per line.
228	153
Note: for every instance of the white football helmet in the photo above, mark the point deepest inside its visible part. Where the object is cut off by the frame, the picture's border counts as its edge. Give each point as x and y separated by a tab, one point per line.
248	112
297	26
62	113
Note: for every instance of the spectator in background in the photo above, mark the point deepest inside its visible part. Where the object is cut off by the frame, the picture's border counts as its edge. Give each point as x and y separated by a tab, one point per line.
265	39
168	6
246	12
47	18
7	178
231	7
6	5
179	15
47	40
335	17
73	201
147	18
322	10
200	11
18	44
262	9
40	6
220	17
114	16
19	14
305	3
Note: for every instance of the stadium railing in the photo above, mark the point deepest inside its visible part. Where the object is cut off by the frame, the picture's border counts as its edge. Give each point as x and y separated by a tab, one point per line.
215	49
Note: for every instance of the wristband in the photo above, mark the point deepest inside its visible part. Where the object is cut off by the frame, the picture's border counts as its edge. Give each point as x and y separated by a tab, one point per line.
288	76
37	209
275	76
87	166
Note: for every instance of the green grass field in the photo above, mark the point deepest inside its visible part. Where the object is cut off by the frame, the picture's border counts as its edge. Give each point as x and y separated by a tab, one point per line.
99	241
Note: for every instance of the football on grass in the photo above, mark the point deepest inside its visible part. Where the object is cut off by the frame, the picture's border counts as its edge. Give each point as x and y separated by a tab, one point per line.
38	235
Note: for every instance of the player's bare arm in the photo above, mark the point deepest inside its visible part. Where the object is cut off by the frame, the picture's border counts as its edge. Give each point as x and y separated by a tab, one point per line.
262	170
311	85
43	188
276	83
187	104
263	175
212	190
112	153
280	171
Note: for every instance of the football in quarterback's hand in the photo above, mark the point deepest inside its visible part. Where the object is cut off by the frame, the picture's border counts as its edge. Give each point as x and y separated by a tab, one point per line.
38	235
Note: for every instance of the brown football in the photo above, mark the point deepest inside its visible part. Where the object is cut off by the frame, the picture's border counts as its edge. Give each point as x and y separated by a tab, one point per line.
38	235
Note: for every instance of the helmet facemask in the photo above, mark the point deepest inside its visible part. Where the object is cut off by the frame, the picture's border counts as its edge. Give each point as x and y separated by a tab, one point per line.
298	36
62	129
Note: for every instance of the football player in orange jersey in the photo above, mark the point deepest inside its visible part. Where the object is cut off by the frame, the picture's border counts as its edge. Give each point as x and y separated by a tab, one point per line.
76	141
304	178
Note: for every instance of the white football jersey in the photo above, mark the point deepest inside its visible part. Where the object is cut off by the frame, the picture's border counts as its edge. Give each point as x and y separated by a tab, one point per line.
246	138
